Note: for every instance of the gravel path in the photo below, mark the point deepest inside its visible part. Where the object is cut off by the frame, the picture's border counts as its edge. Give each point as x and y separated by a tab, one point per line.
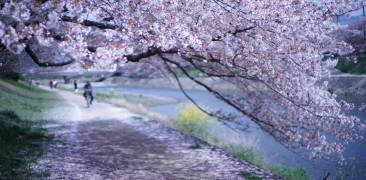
106	142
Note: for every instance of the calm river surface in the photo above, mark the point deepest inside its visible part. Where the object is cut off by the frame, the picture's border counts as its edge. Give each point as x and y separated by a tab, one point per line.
273	152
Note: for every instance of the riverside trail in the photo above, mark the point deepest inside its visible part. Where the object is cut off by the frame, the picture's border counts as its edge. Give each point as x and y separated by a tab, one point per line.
108	142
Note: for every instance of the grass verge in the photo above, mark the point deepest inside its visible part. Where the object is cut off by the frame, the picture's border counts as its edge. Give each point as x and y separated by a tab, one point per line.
249	176
22	137
145	100
195	122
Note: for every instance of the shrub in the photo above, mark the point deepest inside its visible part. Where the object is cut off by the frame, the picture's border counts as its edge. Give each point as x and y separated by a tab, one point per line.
194	121
12	75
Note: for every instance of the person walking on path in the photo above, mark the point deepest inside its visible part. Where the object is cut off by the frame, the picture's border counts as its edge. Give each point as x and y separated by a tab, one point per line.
50	84
75	86
88	93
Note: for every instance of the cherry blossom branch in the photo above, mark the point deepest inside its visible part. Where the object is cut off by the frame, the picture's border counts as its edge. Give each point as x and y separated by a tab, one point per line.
216	93
35	59
152	51
234	33
219	118
89	23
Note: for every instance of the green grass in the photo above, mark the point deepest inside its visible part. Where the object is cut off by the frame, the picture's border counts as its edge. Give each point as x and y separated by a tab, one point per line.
27	101
250	155
249	176
21	134
354	68
290	173
247	154
145	100
197	123
21	142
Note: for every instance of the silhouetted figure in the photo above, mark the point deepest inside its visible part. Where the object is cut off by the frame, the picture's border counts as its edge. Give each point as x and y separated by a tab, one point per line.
50	84
88	92
326	177
75	86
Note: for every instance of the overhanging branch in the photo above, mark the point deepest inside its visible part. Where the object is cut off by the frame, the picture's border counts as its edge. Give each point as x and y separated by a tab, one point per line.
217	94
36	60
219	118
89	23
152	51
234	33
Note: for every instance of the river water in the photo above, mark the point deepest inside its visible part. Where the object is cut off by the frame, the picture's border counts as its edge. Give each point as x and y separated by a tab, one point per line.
274	153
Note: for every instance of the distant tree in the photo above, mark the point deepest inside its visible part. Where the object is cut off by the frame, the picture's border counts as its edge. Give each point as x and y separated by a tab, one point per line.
355	35
276	46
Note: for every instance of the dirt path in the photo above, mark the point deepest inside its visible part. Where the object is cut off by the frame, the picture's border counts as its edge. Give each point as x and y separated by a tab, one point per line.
106	142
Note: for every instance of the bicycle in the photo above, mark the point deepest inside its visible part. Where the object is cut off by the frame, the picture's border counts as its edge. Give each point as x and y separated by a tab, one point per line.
88	99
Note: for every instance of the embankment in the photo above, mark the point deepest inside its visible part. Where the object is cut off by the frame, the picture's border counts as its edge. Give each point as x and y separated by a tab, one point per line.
22	136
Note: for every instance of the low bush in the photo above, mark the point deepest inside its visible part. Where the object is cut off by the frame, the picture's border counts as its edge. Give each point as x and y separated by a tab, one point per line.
195	122
12	75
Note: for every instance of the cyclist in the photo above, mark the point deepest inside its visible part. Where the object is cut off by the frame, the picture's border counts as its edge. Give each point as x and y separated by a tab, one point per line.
88	91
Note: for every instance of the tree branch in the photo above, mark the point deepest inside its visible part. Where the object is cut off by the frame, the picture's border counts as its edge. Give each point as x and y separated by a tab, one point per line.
152	51
89	23
191	99
218	95
35	59
234	33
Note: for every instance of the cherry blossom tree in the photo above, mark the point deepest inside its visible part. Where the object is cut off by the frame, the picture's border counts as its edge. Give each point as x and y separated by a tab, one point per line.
273	46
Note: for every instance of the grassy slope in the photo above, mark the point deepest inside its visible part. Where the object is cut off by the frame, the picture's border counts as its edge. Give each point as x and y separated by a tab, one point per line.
21	134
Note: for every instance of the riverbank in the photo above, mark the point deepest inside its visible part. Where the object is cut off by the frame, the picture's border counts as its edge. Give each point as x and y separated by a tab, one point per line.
106	141
22	136
193	122
253	138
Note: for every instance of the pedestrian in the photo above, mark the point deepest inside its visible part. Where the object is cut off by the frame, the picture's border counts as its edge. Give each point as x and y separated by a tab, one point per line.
50	84
75	86
88	93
